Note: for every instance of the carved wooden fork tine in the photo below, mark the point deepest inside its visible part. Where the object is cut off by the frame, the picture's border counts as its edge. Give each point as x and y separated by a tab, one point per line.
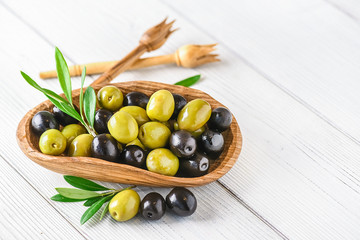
152	39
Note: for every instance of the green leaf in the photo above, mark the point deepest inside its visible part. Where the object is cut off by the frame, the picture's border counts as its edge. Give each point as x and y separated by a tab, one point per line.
57	100
91	201
189	81
77	193
66	108
47	92
63	74
93	209
84	184
90	105
60	198
81	97
105	210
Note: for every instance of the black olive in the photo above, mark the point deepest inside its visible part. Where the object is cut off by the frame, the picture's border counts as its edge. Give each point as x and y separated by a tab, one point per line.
211	143
63	118
181	201
43	121
180	102
153	206
195	166
134	156
105	147
102	116
182	143
220	119
136	99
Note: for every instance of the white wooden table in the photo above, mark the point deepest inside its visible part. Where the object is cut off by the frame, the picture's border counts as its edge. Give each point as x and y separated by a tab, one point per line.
290	73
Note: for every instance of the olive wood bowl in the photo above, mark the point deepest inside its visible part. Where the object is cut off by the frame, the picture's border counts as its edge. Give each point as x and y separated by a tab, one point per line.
97	169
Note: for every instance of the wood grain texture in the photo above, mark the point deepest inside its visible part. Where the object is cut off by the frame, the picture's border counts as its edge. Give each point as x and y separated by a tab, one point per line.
219	214
21	204
101	170
297	172
306	48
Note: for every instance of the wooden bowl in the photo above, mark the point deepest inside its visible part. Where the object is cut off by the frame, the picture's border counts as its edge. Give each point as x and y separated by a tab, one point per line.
97	169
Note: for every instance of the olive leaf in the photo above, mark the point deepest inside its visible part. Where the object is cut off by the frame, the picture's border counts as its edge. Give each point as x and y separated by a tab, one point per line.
91	201
90	105
189	81
45	91
77	193
60	198
93	209
84	184
81	97
63	74
104	211
66	108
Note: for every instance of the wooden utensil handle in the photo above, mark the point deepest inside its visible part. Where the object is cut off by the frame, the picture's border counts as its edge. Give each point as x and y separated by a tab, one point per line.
121	65
101	67
75	70
153	61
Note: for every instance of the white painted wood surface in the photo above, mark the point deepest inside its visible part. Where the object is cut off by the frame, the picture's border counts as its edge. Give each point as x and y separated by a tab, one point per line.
288	73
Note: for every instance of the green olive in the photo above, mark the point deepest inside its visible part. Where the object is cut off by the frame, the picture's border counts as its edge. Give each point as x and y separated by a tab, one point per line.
194	115
124	205
81	146
154	135
123	127
163	161
137	143
138	113
52	142
72	131
197	133
160	106
110	98
176	126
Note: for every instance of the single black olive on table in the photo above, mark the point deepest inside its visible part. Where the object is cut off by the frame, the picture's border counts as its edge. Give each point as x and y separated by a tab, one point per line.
105	147
195	166
211	143
180	102
43	121
136	99
134	156
220	119
102	117
182	143
181	201
153	206
63	118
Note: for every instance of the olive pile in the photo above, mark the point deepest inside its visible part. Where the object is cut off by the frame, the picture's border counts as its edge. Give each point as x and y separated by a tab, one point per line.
126	204
163	134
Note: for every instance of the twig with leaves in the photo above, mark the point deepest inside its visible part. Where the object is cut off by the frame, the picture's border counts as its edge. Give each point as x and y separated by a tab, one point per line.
87	101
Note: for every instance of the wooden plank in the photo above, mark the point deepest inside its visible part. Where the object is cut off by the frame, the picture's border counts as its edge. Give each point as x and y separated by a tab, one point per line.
21	206
219	214
296	171
350	8
307	48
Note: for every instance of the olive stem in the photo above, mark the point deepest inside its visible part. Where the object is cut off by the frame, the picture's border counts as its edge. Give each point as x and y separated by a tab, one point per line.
117	191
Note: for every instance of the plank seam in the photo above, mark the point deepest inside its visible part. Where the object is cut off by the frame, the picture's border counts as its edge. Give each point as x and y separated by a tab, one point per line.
343	11
250	209
45	198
